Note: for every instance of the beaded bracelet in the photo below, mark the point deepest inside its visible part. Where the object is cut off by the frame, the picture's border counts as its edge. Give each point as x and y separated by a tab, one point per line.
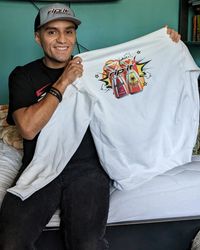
55	92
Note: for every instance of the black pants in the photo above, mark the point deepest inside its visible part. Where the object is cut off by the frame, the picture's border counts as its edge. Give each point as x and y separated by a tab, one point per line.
82	193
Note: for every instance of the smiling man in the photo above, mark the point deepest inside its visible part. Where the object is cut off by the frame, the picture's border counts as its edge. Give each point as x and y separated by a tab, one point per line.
57	39
81	191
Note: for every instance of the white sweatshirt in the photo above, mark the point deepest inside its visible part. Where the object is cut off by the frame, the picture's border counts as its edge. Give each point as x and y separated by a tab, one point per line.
141	101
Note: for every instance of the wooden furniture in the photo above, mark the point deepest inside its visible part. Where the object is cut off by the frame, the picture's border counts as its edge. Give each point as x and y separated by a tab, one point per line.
186	11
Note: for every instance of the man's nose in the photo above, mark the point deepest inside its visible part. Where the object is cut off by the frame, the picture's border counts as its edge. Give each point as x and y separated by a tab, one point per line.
61	38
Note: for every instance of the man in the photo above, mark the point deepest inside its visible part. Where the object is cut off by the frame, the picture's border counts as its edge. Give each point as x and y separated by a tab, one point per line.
82	189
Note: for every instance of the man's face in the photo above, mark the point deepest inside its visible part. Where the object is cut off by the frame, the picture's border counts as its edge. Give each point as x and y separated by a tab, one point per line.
57	38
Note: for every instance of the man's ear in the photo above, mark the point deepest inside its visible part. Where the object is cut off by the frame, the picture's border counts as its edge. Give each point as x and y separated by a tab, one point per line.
37	38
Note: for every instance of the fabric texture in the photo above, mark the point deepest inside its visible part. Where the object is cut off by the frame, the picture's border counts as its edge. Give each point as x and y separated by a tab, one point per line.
196	149
10	162
196	242
137	98
9	134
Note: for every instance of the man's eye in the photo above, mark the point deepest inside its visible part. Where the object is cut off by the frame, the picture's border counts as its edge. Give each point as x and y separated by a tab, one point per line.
51	32
69	32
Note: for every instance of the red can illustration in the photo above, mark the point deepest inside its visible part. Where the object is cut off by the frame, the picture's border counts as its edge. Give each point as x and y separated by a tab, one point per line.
116	78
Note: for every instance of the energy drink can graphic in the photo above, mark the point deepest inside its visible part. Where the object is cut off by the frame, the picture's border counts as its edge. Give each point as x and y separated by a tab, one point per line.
131	75
134	82
119	86
116	77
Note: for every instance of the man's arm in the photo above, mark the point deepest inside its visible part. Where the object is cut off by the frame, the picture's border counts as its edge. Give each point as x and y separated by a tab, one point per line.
30	120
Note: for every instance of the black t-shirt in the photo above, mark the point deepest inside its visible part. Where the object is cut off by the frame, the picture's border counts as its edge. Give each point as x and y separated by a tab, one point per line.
27	85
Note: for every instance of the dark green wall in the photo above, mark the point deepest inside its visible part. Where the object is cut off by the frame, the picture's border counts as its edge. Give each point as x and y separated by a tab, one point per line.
103	25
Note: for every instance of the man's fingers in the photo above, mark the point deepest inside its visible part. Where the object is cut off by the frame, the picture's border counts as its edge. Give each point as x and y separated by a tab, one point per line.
77	60
174	35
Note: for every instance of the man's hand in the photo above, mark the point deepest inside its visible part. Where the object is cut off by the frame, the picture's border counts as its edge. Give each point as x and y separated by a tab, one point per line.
73	70
174	35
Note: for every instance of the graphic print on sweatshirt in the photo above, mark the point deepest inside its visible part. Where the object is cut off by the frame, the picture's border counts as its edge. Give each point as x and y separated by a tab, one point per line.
124	76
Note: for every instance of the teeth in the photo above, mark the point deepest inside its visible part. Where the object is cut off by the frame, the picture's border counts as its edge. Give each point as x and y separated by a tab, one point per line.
61	48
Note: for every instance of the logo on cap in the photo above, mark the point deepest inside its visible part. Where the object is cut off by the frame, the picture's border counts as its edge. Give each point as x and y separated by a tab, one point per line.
58	11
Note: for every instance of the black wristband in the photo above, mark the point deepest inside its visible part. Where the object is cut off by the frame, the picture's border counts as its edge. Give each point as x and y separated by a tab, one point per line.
55	92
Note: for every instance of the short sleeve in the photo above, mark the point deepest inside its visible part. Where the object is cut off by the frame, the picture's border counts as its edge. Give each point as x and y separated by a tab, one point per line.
21	93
